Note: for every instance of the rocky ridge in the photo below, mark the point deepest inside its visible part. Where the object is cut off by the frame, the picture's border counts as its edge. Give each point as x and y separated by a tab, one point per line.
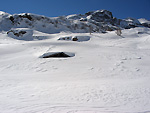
93	21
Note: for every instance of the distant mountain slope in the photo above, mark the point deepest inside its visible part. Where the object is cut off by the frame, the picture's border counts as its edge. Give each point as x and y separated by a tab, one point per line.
96	21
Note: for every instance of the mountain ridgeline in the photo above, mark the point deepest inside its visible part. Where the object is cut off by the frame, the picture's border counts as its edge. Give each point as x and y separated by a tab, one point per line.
94	21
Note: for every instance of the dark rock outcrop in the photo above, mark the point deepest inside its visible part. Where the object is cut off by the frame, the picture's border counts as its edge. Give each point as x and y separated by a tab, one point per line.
57	55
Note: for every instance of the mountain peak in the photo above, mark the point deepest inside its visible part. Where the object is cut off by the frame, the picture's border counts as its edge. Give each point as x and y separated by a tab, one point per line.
100	13
2	13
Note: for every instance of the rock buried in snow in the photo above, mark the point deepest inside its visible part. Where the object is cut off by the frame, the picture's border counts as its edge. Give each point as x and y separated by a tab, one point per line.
75	38
81	38
57	55
65	38
21	34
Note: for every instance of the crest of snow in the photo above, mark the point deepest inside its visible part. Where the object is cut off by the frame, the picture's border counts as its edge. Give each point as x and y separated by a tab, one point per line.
132	20
74	16
143	20
89	17
3	13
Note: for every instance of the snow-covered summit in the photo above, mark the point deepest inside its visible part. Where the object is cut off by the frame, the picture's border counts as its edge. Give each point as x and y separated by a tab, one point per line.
143	20
2	13
93	15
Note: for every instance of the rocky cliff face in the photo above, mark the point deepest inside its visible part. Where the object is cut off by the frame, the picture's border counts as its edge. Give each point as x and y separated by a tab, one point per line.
94	21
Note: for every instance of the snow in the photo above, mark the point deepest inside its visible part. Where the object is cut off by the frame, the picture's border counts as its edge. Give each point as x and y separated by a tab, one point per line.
3	14
108	74
143	20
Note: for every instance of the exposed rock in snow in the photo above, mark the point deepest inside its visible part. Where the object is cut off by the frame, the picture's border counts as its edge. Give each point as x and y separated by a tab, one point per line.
75	38
57	55
65	38
100	15
132	22
21	34
80	38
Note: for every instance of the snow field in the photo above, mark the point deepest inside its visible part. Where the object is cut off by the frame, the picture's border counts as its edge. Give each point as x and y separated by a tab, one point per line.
108	74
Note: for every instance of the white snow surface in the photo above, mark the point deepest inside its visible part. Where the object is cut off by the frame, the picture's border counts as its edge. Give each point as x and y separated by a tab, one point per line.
108	74
143	20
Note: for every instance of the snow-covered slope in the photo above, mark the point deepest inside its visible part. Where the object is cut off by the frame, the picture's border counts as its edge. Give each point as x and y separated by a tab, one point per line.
106	74
74	64
144	22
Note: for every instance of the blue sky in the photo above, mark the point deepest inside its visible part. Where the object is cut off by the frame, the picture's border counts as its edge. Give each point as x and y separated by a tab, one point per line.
53	8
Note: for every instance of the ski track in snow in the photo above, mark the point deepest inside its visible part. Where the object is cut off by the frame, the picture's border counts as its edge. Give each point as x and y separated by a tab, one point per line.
108	74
